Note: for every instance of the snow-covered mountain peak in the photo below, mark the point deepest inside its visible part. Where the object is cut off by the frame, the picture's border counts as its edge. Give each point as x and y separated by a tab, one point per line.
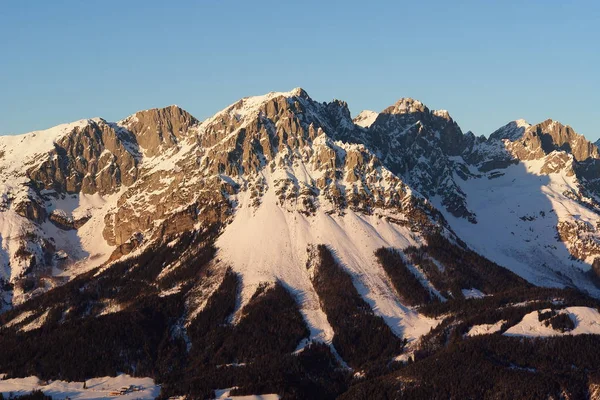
262	126
511	131
249	106
365	118
298	92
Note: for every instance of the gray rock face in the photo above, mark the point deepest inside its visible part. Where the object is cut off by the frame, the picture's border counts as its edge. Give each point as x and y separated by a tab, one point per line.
428	149
421	146
159	128
31	208
97	158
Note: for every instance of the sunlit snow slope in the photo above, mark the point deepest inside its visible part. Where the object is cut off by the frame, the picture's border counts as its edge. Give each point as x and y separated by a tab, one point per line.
518	211
270	243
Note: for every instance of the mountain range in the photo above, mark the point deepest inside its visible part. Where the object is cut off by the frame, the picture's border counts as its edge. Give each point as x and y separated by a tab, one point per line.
282	246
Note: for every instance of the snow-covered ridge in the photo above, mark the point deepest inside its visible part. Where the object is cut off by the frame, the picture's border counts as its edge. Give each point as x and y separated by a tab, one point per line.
511	131
17	151
248	106
95	388
365	118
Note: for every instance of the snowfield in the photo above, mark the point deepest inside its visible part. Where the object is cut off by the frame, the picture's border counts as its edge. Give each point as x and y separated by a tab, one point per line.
223	394
270	243
97	388
366	118
517	214
86	246
473	293
587	321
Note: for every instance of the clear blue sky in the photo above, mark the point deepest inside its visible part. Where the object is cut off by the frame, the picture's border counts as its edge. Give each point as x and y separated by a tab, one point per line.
487	62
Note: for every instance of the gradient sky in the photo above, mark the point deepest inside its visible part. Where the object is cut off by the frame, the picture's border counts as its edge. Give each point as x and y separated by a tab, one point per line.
487	62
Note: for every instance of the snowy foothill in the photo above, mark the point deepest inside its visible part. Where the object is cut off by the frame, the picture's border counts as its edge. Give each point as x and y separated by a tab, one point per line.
224	394
95	388
485	329
585	319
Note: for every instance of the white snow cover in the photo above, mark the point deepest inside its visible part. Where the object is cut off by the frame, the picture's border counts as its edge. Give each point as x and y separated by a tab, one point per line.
36	323
223	394
517	214
12	228
521	123
86	245
19	150
472	293
269	243
97	388
586	319
485	329
365	118
513	130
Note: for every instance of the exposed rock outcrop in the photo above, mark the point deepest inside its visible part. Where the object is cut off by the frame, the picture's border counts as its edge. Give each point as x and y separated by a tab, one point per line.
96	158
159	128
